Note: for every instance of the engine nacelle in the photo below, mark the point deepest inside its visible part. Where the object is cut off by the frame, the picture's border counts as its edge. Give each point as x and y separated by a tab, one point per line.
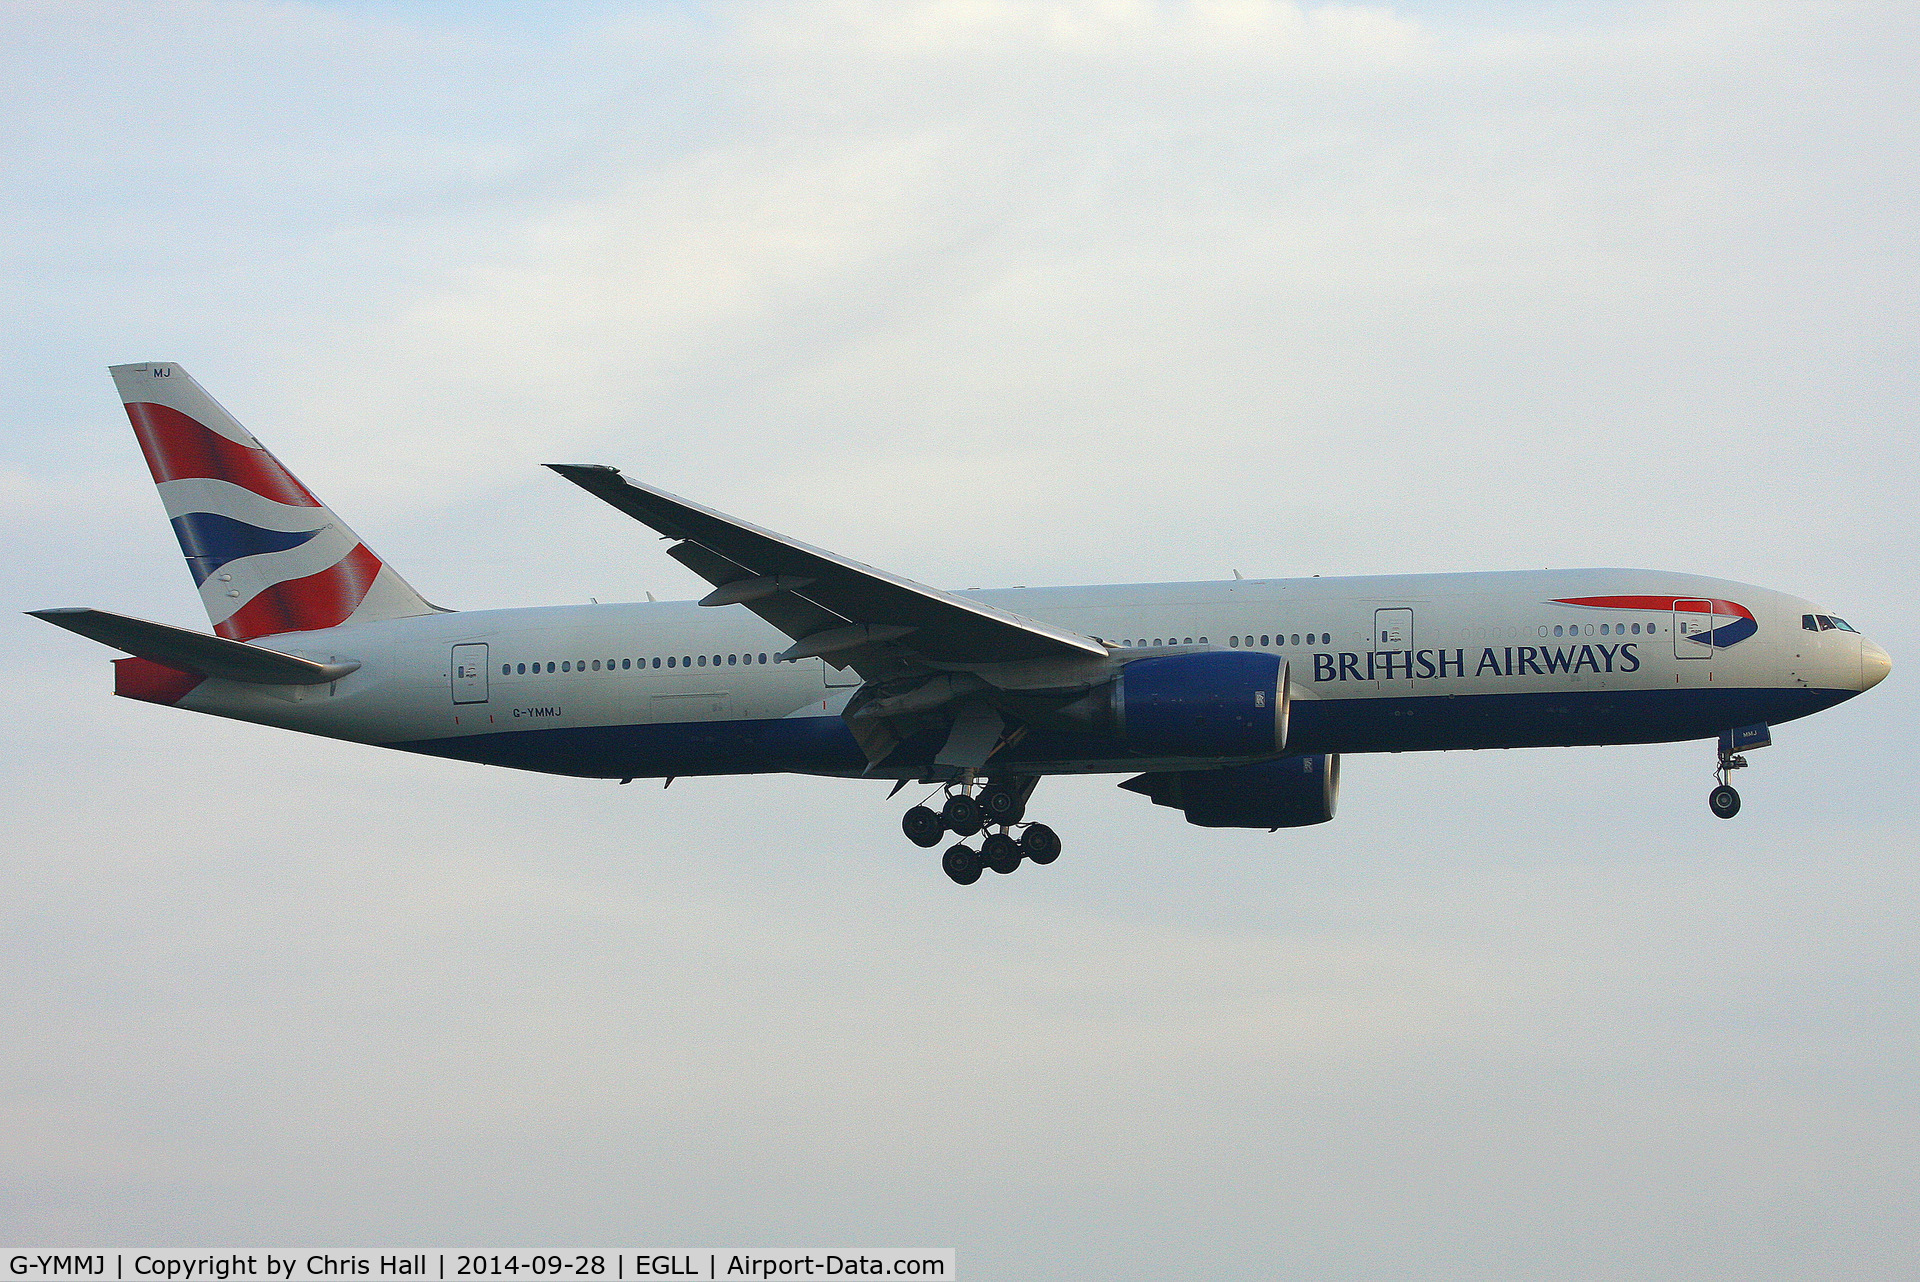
1222	704
1289	793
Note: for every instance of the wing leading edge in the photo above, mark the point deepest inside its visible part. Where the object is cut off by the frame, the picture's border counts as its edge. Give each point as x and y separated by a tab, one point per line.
853	614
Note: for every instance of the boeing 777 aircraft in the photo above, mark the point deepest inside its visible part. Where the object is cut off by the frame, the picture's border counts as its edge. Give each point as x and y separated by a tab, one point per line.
1230	701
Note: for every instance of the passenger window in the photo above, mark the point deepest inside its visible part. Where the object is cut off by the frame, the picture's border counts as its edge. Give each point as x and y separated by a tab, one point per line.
703	660
506	669
1156	641
1556	629
686	661
1263	638
1234	642
625	664
1189	641
670	661
596	665
566	667
763	658
523	669
732	659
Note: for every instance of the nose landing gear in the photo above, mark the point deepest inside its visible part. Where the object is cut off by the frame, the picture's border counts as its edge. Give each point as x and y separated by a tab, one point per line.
1724	801
1000	805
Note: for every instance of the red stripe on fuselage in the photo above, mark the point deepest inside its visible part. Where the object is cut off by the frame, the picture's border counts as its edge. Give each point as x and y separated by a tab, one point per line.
179	448
1733	608
323	600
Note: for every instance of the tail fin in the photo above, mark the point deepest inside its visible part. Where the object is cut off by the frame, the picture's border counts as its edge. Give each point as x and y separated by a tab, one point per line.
267	555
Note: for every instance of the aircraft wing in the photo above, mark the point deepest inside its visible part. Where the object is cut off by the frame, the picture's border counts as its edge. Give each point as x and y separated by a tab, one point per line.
852	614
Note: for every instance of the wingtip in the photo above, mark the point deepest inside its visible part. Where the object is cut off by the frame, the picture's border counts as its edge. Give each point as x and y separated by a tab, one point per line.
567	469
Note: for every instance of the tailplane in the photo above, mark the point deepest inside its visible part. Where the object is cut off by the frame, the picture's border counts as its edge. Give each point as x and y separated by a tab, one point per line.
267	555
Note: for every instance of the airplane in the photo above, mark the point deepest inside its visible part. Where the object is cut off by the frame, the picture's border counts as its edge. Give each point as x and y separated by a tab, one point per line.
1230	701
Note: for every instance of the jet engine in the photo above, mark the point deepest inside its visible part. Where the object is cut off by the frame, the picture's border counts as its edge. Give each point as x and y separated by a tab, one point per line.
1222	704
1289	793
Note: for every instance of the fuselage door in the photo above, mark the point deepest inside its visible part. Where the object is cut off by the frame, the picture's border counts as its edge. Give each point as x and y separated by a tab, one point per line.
1393	638
1692	619
470	673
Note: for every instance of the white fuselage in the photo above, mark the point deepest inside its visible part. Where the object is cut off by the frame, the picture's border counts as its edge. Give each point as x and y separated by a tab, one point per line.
1385	663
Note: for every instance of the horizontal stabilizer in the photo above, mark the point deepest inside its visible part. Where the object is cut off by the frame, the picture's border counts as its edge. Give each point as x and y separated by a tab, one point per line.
195	651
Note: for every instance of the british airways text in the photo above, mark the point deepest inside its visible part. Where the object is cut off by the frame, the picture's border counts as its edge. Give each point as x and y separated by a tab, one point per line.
1507	661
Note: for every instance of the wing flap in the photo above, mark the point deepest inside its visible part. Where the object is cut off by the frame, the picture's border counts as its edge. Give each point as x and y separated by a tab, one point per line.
793	615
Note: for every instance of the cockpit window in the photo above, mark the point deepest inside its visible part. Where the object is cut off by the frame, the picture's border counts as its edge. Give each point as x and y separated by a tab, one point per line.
1806	622
1843	625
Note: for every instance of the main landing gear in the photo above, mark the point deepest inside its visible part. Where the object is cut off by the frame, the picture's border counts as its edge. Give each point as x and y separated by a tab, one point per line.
1000	805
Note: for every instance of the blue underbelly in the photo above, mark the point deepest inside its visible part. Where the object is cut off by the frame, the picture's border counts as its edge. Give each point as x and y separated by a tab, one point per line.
821	745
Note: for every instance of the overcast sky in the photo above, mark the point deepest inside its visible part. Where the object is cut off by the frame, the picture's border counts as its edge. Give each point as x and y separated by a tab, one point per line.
984	292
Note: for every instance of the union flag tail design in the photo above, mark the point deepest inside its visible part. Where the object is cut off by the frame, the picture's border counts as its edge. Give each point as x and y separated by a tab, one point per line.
267	555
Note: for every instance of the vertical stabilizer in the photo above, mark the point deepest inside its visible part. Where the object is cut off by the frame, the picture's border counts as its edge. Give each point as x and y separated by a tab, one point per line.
267	555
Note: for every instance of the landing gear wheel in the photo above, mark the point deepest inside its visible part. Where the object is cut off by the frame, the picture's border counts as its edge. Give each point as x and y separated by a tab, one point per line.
1040	844
1000	853
962	815
961	864
1724	802
1001	804
923	827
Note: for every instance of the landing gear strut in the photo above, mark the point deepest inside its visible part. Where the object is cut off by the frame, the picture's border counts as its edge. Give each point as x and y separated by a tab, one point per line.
1724	801
1000	805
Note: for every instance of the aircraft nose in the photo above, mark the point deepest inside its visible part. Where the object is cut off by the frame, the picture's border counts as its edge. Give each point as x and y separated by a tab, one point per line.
1875	664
